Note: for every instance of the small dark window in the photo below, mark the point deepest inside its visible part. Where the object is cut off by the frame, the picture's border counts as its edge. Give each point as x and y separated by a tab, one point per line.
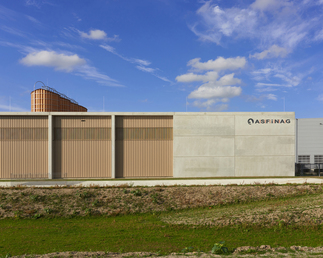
304	159
318	158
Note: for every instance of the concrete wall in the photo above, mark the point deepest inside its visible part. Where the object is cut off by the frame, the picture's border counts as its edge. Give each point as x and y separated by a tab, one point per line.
225	144
310	137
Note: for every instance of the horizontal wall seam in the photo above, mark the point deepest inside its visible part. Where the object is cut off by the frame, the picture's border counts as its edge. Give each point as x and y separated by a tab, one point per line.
203	156
260	155
210	135
234	135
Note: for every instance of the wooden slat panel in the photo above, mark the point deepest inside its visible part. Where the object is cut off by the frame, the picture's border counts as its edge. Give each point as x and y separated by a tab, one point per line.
144	121
82	159
77	152
82	121
23	122
144	146
23	147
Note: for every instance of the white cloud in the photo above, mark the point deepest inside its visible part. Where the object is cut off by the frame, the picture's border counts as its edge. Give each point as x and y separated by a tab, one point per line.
33	3
217	22
13	31
228	80
221	107
263	71
320	97
112	50
280	76
99	35
273	51
204	104
291	80
38	3
142	64
266	89
213	89
192	77
268	22
53	59
94	34
260	84
319	35
218	64
251	98
32	19
162	78
67	63
264	5
145	69
271	97
208	105
89	72
115	38
109	48
216	92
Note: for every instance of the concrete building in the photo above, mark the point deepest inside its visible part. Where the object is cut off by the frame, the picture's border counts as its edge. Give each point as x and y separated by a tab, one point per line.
309	141
141	145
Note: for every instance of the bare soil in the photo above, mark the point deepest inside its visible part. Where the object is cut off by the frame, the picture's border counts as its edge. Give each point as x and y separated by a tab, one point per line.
244	251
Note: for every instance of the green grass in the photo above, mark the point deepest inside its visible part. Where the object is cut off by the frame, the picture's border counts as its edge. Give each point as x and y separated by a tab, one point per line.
138	233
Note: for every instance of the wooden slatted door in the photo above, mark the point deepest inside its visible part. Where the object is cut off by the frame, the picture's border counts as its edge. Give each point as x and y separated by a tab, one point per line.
82	147
144	146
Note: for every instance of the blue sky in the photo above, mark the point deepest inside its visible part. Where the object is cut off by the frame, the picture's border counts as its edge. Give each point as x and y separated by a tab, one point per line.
165	55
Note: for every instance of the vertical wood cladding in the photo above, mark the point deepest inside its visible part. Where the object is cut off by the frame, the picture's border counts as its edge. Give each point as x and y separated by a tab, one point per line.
144	146
82	147
46	101
23	147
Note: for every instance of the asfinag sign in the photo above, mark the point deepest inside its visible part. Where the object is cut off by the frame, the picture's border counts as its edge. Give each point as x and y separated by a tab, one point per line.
252	121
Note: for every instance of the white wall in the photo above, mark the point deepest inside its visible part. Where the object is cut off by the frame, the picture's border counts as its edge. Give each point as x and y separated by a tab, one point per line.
310	137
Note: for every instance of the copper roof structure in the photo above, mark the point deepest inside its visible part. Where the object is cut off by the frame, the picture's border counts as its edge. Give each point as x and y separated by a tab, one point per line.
47	99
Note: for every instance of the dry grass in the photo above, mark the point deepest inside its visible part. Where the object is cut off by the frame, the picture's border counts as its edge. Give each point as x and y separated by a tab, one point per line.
67	202
302	211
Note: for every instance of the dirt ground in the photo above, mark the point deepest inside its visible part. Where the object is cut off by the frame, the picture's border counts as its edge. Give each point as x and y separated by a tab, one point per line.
67	202
244	251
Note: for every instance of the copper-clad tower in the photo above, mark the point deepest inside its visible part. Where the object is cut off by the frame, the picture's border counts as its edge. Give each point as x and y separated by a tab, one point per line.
47	99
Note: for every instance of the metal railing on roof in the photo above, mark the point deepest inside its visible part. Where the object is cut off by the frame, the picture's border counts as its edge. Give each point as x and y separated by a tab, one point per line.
60	94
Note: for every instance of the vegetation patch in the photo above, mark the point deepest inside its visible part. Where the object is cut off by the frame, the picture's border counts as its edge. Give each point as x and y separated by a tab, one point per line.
292	211
208	221
19	202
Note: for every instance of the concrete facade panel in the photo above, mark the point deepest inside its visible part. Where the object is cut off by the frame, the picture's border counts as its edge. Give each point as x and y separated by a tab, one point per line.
282	123
204	146
199	124
269	145
265	166
203	166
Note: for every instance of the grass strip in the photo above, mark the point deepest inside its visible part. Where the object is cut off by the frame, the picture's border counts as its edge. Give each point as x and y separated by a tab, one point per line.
140	232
